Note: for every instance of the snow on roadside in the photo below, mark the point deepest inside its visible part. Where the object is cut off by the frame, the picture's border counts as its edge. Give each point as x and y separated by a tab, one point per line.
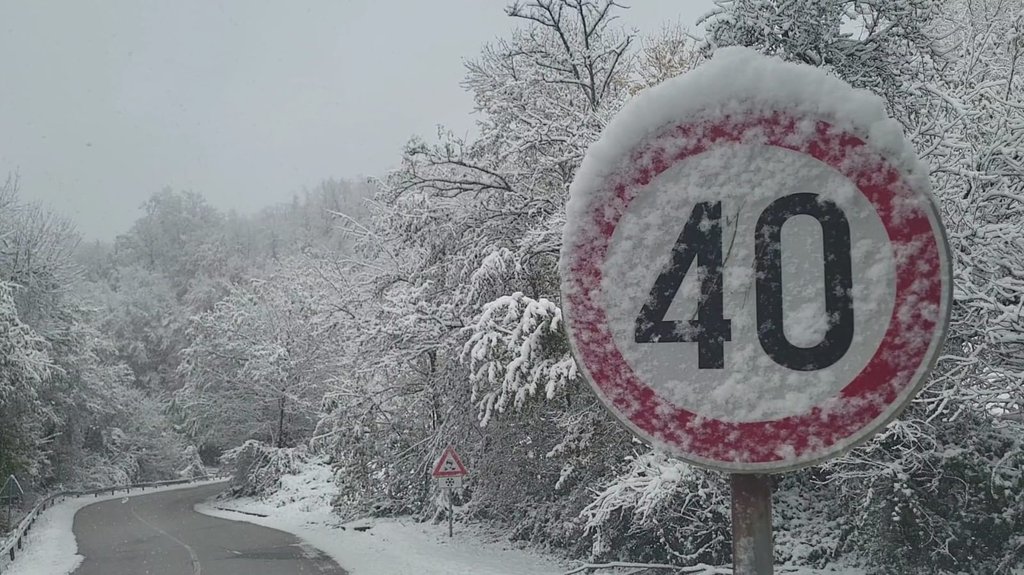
388	546
402	546
51	549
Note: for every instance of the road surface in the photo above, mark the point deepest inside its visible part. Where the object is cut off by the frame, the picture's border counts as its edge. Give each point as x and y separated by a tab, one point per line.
160	534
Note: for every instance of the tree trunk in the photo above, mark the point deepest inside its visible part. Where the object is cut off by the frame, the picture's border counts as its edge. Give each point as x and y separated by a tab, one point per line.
280	421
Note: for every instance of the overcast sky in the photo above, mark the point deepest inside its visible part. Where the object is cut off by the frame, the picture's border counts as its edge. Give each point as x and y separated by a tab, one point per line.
104	103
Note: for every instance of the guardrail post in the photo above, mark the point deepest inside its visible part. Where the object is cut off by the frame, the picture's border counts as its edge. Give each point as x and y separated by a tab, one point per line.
12	553
19	543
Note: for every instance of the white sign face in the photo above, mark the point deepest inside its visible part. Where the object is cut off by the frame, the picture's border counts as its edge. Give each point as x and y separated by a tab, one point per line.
754	273
803	317
450	482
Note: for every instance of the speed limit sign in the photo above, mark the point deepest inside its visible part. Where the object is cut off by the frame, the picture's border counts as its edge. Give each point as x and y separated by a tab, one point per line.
754	273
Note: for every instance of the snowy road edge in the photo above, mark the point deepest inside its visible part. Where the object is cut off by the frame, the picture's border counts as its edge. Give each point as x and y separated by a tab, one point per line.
52	549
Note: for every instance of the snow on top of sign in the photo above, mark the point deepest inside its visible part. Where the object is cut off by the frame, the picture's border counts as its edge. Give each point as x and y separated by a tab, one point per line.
739	80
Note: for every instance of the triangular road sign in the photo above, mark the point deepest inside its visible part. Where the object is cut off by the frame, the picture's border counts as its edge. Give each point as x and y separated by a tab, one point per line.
11	489
449	464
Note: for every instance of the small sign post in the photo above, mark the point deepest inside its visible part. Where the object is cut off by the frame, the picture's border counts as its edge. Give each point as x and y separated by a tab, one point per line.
755	277
449	471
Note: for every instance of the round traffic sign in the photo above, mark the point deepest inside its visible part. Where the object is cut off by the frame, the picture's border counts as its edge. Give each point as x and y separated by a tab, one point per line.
754	273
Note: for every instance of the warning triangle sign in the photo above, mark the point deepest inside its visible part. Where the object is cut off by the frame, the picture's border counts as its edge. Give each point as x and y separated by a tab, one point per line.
449	464
11	489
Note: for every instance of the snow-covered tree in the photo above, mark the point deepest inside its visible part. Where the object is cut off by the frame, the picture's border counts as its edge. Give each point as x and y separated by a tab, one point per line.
146	322
257	364
461	288
25	366
67	392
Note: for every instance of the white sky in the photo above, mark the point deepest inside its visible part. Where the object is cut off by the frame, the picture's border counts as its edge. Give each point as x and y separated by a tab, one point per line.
104	103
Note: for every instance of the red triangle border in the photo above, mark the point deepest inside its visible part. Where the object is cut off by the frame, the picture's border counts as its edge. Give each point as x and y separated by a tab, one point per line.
449	452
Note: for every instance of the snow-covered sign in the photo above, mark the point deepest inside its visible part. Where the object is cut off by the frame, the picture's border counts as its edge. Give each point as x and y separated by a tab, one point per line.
11	490
449	465
754	273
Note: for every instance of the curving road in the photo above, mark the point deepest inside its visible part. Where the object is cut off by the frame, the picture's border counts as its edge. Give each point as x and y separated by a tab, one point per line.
161	534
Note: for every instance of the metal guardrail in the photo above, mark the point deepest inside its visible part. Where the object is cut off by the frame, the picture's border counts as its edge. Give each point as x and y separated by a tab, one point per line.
16	537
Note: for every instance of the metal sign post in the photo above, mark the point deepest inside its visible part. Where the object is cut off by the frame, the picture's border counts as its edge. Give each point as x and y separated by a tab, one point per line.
451	513
450	484
449	471
752	541
754	274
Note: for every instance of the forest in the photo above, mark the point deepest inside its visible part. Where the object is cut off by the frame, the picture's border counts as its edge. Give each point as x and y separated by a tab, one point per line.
368	324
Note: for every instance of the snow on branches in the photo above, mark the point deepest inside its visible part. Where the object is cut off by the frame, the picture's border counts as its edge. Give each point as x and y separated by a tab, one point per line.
258	362
515	347
23	354
686	508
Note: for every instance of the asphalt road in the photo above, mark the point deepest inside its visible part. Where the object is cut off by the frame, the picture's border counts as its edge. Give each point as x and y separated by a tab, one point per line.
160	534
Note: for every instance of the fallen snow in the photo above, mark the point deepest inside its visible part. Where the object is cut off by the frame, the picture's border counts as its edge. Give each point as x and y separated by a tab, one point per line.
389	546
51	549
404	546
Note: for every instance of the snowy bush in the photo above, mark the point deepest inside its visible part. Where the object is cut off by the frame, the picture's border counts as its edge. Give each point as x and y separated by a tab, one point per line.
661	509
953	504
193	464
258	467
381	456
97	470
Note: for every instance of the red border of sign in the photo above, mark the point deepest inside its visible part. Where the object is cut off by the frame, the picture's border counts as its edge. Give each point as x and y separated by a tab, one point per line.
895	371
461	471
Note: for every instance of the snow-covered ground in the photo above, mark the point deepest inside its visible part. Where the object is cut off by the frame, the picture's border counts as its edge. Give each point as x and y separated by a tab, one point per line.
403	546
51	549
302	506
389	546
